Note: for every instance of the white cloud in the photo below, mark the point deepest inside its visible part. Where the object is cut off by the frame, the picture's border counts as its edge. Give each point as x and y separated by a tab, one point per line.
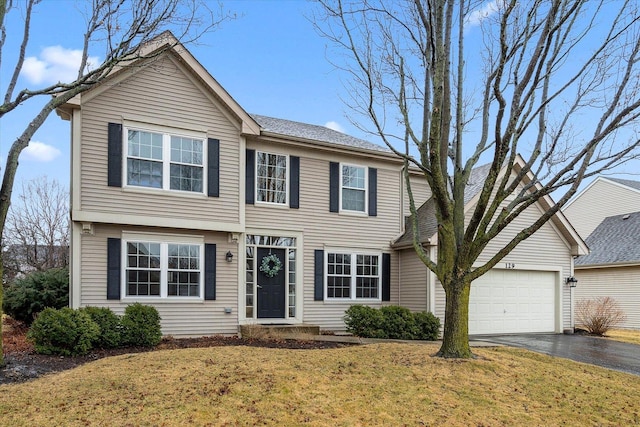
55	64
476	17
40	152
334	126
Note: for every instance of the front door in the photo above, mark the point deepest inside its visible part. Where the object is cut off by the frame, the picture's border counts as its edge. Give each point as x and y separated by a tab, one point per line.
271	290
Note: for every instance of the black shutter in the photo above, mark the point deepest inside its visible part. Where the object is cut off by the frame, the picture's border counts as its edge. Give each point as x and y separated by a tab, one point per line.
386	277
294	182
250	177
209	271
334	187
113	268
114	156
318	275
373	192
213	164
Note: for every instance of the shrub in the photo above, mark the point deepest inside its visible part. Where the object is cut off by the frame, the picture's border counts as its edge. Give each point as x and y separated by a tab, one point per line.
393	322
599	315
141	326
64	332
29	295
398	323
428	326
364	321
109	324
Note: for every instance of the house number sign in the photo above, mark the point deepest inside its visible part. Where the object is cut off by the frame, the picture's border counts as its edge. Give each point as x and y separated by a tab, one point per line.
509	265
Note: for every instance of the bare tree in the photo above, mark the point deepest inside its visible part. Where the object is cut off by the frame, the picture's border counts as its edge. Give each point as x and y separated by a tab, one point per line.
453	82
124	30
36	234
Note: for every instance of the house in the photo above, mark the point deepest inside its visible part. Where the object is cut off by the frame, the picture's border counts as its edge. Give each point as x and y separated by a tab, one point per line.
220	218
602	198
527	292
607	214
612	268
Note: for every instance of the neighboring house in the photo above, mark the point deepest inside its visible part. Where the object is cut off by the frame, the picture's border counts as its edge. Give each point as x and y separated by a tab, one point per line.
605	213
525	292
602	198
612	268
218	218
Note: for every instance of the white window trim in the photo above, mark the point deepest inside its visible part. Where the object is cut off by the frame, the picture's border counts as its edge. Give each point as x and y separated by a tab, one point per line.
167	133
353	253
287	174
164	241
366	190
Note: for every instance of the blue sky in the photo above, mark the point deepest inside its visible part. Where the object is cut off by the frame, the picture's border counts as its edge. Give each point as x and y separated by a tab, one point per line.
270	59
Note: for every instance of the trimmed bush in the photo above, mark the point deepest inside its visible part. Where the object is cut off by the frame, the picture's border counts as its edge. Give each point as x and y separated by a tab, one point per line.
141	326
364	321
428	326
392	322
109	324
398	323
29	295
64	332
599	315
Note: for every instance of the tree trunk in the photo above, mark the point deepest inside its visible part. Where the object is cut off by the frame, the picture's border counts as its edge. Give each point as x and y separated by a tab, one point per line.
455	340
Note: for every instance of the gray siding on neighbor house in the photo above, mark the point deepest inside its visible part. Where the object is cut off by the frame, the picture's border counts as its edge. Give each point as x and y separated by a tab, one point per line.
323	228
602	199
200	318
620	283
163	93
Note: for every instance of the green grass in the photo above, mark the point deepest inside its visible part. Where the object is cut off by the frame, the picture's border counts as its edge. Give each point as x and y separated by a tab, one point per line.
381	384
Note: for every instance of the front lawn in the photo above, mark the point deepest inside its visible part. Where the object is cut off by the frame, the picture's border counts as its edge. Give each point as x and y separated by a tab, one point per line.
625	335
379	384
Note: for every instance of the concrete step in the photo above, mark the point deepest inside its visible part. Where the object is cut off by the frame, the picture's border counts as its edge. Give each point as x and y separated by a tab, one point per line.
278	330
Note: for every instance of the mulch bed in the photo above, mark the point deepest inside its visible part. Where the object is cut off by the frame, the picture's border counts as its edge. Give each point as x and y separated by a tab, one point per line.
24	364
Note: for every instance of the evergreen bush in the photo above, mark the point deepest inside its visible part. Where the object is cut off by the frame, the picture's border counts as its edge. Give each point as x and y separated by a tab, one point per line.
64	332
29	295
109	324
141	326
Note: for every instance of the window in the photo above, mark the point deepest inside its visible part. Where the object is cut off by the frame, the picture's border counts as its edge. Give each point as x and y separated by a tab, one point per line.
353	276
163	269
353	188
271	178
166	161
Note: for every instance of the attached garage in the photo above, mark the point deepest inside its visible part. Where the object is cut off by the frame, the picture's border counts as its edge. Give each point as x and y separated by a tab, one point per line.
513	301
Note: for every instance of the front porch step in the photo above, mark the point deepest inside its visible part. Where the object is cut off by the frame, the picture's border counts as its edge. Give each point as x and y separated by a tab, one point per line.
278	331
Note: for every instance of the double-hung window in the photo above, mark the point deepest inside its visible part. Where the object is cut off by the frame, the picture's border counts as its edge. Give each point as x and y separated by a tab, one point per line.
271	178
163	269
353	275
353	189
165	160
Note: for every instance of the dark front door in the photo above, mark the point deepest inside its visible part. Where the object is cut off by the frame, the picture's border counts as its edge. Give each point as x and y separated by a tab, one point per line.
271	290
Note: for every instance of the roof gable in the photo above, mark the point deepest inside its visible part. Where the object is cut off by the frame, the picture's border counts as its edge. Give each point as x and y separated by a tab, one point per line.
616	240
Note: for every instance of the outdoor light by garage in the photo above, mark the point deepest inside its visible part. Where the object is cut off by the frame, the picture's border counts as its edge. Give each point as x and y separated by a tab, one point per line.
229	256
572	281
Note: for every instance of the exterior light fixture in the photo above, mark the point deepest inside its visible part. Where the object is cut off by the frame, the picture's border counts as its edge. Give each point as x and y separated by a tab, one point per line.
229	256
572	281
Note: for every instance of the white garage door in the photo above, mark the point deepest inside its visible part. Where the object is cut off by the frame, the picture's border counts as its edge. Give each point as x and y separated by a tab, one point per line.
513	301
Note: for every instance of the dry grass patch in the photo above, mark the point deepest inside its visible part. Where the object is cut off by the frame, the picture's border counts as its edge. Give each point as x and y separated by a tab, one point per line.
625	335
381	384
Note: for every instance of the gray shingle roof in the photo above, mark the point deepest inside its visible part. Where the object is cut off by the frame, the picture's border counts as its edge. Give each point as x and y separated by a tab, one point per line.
615	240
629	183
313	132
427	223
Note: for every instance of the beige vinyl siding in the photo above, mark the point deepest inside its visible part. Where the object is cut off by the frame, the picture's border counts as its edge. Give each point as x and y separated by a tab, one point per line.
544	250
178	319
601	200
323	229
619	283
413	281
420	190
180	104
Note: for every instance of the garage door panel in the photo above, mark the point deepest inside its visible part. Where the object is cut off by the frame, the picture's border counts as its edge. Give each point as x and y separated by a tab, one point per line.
513	301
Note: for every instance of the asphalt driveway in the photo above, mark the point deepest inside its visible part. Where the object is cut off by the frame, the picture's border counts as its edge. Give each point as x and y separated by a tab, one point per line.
596	351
